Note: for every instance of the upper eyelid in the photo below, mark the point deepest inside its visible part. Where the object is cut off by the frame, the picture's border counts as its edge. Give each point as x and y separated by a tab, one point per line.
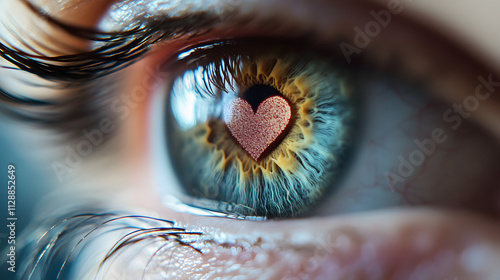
108	57
104	58
117	50
113	37
472	24
114	54
104	62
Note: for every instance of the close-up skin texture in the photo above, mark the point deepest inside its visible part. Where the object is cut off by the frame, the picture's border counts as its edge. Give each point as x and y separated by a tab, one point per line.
250	139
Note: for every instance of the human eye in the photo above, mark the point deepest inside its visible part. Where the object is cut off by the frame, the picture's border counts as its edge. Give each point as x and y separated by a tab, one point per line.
266	127
390	127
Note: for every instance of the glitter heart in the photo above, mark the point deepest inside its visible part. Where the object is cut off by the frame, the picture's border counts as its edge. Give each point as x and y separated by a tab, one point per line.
257	131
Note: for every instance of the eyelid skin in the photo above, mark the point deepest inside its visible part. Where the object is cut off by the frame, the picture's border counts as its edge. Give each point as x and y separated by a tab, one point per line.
30	32
467	23
84	13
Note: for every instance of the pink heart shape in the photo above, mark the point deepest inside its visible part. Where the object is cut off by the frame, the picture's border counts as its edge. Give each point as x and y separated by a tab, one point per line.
257	131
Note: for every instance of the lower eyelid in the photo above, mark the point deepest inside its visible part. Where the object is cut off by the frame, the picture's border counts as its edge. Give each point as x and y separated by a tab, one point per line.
372	245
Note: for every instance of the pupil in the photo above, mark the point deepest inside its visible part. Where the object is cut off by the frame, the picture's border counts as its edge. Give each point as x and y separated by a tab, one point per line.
254	95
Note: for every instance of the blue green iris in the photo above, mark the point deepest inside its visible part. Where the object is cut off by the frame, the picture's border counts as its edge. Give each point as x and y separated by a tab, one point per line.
292	178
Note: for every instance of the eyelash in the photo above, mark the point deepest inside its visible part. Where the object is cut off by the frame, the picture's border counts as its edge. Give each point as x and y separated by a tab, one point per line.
117	50
68	235
87	74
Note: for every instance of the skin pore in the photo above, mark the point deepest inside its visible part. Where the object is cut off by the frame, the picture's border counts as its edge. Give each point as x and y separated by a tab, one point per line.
450	233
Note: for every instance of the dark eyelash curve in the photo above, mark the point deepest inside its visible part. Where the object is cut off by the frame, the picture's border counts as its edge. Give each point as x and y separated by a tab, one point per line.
117	49
68	236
